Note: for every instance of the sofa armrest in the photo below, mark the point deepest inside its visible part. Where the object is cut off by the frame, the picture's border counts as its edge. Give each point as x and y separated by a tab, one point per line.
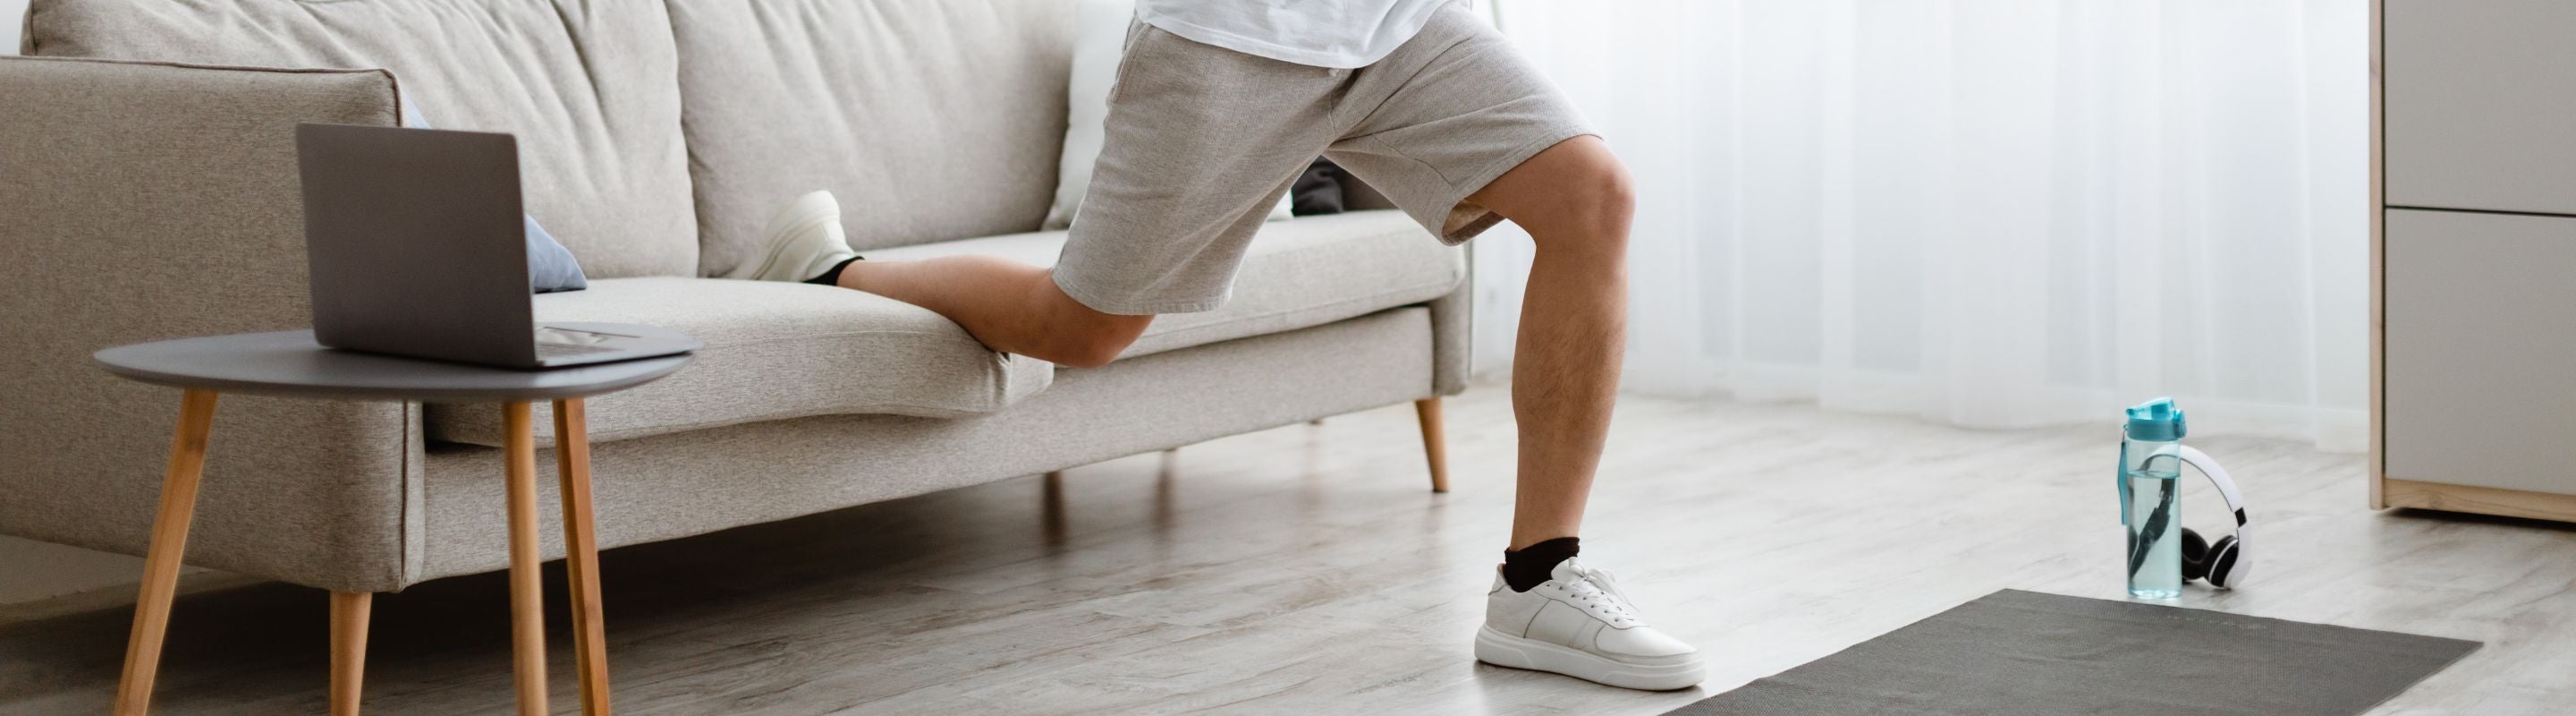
1453	326
145	201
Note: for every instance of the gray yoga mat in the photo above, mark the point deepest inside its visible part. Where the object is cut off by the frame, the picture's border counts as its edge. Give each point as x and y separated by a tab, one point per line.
2014	652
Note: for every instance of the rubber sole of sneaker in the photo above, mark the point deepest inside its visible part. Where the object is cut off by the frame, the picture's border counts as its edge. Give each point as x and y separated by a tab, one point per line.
776	246
1663	674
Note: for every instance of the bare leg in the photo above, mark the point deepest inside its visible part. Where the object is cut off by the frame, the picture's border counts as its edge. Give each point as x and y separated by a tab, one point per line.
1575	199
1012	307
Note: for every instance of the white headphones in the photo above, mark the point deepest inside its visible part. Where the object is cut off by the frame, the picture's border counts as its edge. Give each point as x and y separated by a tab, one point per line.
2222	563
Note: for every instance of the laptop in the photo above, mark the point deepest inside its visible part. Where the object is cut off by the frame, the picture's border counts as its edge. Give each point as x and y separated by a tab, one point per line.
418	249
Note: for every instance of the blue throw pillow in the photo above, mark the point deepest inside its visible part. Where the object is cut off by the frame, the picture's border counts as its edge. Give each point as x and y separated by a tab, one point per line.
551	267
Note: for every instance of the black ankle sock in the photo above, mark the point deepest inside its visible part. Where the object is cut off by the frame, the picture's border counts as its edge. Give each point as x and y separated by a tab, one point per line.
1529	566
833	277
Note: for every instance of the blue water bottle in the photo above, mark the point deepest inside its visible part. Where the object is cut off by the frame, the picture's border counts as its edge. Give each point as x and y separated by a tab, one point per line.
2150	503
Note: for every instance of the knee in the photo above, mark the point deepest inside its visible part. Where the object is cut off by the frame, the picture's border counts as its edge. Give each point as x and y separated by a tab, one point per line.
1597	202
1605	197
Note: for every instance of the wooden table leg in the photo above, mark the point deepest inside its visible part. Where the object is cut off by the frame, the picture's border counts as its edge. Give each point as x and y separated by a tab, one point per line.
161	560
349	611
581	555
527	619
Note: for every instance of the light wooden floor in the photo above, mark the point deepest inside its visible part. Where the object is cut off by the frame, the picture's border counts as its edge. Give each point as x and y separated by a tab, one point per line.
1307	570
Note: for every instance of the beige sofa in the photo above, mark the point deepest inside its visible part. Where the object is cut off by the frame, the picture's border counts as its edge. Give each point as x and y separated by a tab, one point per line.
148	191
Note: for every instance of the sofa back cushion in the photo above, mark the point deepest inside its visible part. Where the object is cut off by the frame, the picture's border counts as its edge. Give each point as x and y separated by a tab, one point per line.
587	85
928	119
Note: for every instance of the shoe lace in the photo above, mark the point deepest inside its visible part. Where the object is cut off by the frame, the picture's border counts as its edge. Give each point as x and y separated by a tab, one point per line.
1598	589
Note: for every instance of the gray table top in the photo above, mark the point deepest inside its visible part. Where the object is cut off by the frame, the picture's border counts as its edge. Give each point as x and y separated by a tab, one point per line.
289	363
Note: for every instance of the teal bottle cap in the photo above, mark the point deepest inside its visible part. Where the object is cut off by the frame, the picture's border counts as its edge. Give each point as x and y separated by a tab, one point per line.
2156	420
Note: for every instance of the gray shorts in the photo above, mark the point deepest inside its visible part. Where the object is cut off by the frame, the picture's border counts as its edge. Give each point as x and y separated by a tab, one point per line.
1201	141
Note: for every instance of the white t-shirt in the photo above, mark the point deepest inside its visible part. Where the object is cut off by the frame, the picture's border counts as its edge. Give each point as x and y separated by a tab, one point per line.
1322	33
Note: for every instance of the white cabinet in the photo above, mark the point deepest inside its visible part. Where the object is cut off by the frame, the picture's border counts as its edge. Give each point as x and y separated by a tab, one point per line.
2474	256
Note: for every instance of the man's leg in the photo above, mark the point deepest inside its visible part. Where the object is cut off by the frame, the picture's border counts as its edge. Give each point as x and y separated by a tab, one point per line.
1012	307
1199	143
1575	200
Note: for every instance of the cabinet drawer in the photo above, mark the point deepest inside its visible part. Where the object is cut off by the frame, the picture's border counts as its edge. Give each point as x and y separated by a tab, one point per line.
2480	104
2481	350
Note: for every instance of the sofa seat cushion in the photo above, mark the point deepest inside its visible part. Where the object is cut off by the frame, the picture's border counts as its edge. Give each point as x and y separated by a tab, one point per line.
1300	273
773	350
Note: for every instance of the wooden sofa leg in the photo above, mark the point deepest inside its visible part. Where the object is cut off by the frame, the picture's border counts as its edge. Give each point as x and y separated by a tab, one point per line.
1435	446
349	611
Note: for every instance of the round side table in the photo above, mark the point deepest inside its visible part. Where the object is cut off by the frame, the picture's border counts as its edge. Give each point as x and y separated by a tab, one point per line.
291	364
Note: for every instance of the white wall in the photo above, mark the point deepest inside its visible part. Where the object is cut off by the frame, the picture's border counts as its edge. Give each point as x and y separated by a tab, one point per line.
16	12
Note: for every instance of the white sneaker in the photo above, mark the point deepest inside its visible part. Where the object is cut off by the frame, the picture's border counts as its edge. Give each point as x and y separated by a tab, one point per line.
802	241
1578	624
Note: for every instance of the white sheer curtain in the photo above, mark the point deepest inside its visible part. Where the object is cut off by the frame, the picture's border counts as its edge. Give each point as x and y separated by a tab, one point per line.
1989	213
